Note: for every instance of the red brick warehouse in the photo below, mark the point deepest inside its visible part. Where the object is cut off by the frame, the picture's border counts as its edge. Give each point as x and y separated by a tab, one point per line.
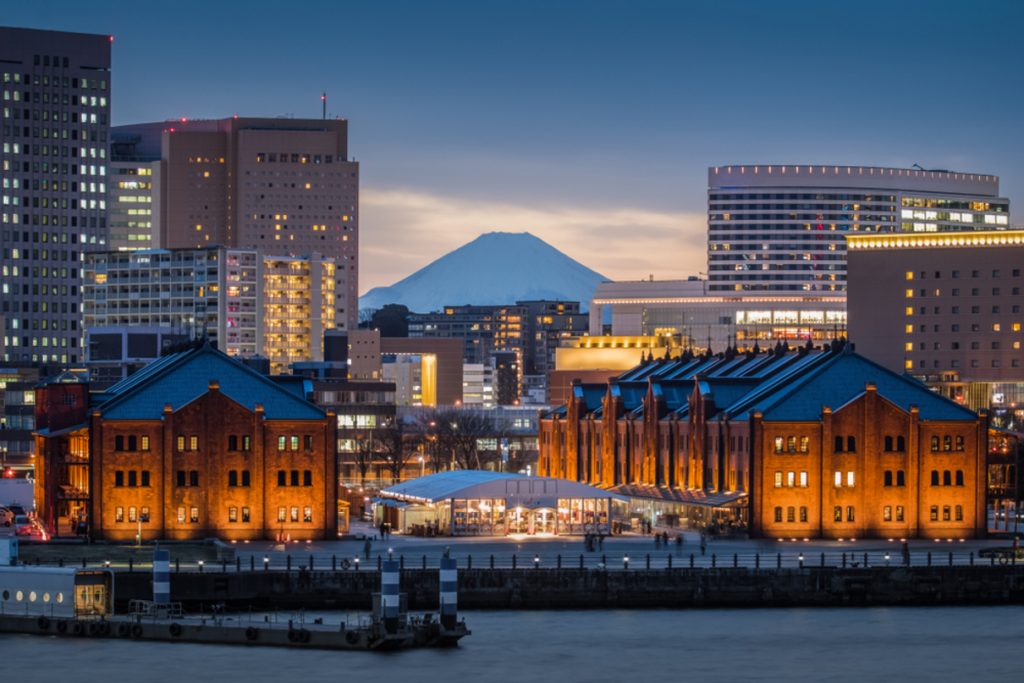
193	445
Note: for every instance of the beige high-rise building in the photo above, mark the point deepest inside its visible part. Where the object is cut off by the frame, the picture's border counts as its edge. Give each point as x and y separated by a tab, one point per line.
283	186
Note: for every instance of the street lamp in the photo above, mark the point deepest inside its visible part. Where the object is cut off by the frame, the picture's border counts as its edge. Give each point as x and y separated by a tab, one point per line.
423	464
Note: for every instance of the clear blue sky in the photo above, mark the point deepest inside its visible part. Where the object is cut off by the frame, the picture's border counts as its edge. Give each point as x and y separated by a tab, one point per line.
589	123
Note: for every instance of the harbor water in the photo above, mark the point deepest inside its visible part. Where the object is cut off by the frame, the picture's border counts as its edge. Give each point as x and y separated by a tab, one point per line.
855	644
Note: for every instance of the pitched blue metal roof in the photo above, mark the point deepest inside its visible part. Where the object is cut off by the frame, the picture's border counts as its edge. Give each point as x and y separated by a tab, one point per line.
180	378
842	379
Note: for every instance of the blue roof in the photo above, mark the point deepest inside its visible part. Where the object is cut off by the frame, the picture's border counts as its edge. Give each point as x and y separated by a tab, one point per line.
844	378
180	378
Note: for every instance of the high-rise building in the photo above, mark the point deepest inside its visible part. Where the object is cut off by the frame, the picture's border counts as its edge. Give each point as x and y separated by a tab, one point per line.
782	228
53	180
482	329
284	186
133	196
247	303
946	308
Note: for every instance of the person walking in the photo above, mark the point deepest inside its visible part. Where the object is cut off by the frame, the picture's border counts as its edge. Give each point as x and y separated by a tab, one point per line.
703	543
906	554
366	548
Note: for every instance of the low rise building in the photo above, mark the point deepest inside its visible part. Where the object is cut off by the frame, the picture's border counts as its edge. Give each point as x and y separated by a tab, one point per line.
821	443
193	445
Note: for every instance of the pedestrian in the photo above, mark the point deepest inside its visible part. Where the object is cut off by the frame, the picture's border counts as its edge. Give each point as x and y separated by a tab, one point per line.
600	541
679	542
703	543
906	553
447	552
366	548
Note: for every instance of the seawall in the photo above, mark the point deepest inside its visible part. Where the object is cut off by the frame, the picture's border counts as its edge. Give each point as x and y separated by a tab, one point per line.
529	588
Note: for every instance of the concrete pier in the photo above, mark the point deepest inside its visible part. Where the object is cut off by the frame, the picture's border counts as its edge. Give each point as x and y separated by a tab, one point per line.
529	588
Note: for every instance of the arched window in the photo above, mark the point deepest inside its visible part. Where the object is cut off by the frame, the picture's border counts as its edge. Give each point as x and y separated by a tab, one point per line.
790	514
133	443
959	443
888	443
232	478
959	477
837	513
935	477
900	479
947	478
935	443
959	513
803	513
901	444
839	444
947	443
851	444
888	477
118	443
778	514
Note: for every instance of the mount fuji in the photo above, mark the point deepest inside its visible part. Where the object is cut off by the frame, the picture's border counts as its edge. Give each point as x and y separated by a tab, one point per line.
495	268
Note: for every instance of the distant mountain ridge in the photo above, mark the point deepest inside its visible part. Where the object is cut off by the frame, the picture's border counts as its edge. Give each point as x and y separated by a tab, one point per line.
495	268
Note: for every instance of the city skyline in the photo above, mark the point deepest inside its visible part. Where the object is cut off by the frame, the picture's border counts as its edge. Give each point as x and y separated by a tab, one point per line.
589	127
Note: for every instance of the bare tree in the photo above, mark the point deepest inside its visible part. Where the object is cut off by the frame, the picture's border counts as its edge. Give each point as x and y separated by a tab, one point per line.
366	447
395	448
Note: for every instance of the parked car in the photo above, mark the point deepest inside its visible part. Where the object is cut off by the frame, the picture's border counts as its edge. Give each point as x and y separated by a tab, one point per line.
23	525
6	517
16	509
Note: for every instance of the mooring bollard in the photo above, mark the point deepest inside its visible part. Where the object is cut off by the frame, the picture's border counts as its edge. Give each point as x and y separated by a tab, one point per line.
389	597
161	576
449	592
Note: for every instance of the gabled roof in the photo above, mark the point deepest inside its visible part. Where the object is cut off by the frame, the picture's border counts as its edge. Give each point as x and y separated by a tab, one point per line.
180	378
841	380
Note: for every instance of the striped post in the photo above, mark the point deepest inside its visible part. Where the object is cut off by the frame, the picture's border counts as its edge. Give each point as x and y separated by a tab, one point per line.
449	592
161	577
389	597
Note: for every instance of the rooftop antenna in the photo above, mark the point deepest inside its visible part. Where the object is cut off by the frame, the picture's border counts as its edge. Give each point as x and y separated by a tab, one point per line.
323	103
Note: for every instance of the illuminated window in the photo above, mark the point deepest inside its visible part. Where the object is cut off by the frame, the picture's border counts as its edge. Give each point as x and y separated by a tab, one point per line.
909	294
909	329
803	480
778	479
910	273
908	346
909	310
790	478
849	478
838	479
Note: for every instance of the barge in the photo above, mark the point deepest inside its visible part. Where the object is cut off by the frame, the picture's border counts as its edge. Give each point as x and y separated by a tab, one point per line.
78	603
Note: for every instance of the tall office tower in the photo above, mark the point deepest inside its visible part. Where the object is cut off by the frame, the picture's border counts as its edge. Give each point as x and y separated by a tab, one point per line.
782	228
133	196
53	177
284	186
483	329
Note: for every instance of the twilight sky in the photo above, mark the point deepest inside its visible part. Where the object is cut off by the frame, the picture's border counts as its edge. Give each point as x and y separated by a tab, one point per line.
591	123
